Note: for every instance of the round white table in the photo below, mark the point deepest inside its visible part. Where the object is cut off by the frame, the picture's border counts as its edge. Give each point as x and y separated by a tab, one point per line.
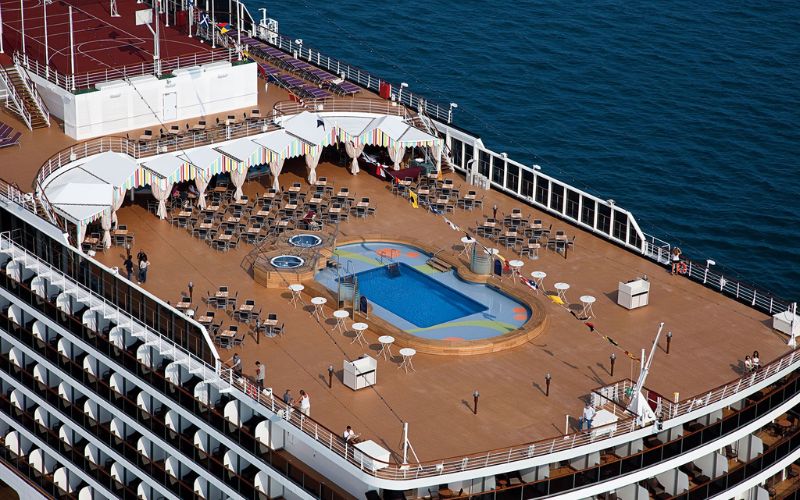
515	266
561	289
587	301
467	242
386	346
319	303
296	289
359	329
538	279
407	354
340	316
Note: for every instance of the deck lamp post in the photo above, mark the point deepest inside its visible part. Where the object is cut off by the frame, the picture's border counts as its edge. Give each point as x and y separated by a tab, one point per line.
258	329
547	379
330	376
669	340
475	396
403	85
191	290
613	359
709	263
450	112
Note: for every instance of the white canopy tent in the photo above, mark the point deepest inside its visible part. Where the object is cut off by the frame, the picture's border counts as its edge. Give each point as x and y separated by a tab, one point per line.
205	162
81	201
279	145
313	130
117	169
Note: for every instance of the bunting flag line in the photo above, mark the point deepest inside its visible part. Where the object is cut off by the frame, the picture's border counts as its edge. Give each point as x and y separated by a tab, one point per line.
611	341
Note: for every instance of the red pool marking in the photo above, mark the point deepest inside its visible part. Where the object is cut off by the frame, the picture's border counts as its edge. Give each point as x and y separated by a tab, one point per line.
519	309
412	254
453	338
391	253
520	317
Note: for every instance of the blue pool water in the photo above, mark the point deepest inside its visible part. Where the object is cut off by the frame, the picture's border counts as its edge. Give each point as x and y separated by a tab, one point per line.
415	297
686	113
420	300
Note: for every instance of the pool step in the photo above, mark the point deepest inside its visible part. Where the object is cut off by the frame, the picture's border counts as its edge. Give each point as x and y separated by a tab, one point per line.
439	264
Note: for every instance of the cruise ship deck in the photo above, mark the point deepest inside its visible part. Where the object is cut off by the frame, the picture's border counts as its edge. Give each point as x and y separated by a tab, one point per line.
532	382
711	334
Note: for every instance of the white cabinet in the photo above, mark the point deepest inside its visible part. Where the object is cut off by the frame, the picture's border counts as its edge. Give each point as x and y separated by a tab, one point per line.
633	294
785	322
360	373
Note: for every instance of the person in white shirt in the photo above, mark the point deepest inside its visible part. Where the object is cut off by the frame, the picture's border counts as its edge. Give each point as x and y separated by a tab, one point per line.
588	416
305	403
349	435
748	364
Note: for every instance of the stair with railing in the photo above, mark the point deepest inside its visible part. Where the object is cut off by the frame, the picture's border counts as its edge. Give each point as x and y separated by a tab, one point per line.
424	122
14	102
30	100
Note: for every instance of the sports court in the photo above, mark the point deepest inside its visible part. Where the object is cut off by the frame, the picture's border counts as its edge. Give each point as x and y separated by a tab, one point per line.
101	42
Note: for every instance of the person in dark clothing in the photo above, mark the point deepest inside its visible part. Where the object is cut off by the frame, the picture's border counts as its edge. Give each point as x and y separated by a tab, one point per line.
128	266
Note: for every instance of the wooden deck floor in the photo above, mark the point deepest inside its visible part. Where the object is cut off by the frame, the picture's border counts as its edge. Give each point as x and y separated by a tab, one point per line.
711	333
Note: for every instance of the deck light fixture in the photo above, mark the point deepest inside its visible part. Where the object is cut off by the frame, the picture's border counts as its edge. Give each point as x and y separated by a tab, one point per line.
547	379
669	340
330	376
709	263
613	359
191	289
536	167
475	396
450	112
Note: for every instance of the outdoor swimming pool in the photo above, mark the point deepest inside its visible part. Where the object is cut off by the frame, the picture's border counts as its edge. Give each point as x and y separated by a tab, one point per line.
408	293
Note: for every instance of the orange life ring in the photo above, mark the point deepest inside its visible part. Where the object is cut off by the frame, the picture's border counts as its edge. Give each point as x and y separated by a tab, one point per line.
682	268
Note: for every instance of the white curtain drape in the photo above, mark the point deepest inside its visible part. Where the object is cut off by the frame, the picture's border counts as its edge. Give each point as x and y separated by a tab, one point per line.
275	167
396	153
80	233
161	191
201	182
238	176
117	201
354	151
437	153
105	223
312	160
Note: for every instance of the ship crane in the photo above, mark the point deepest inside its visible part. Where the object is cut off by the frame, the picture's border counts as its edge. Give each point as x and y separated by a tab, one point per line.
639	405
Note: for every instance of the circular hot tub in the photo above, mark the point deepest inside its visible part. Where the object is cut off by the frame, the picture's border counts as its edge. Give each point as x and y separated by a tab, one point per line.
287	261
305	240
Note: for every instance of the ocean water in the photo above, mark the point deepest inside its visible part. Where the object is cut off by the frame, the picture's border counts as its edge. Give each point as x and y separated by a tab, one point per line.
686	113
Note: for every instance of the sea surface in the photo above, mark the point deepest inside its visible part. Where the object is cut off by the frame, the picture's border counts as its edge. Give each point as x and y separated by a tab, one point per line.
686	113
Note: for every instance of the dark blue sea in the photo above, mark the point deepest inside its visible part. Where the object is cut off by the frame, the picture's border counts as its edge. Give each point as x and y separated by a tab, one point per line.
686	113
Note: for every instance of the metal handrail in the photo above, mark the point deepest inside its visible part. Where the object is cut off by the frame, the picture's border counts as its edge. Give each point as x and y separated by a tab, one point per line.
14	96
375	106
143	149
360	77
90	78
397	471
757	298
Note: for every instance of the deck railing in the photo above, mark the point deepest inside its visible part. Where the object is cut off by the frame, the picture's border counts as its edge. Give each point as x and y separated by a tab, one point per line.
397	471
91	78
709	275
377	106
143	149
361	77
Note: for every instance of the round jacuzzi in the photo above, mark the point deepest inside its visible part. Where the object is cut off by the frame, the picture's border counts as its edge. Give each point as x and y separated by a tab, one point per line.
287	261
305	240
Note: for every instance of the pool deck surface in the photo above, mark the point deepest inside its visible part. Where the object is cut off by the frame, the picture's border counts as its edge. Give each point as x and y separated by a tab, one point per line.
712	333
